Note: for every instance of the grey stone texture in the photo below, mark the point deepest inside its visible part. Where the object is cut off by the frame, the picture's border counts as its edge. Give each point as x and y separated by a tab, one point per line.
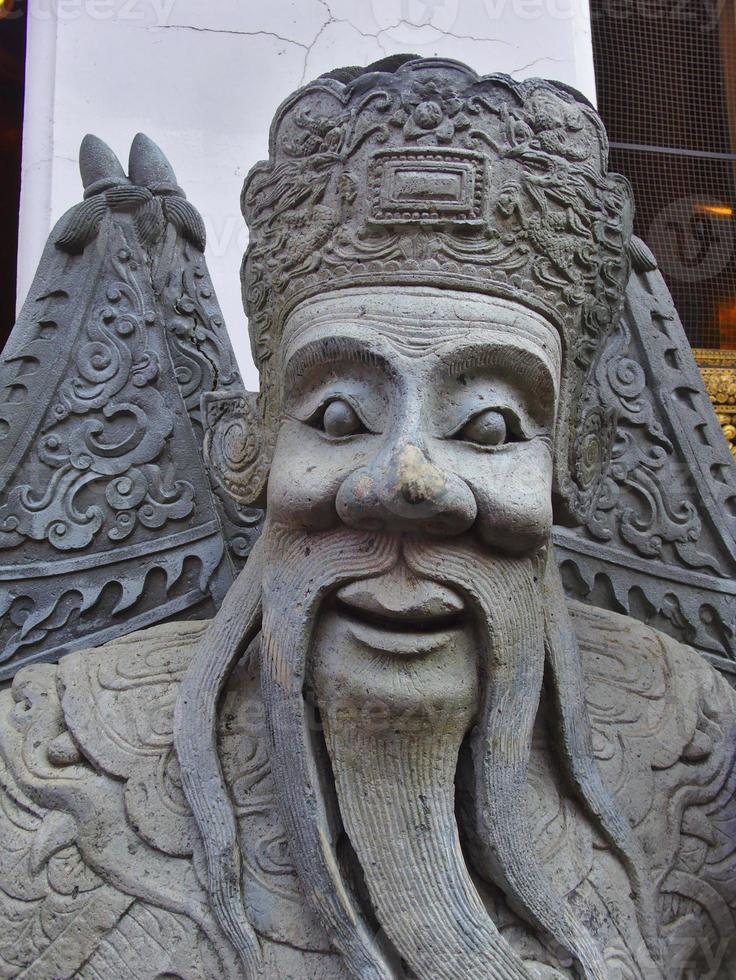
398	750
659	541
108	520
102	869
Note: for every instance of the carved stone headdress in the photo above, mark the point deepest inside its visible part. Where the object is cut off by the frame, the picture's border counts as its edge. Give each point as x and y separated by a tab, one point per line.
430	174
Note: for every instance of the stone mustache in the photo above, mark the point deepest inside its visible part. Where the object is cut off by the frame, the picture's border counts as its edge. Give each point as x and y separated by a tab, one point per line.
397	750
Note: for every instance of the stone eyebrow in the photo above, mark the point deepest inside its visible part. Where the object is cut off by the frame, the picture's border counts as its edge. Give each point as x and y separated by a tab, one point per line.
525	366
329	350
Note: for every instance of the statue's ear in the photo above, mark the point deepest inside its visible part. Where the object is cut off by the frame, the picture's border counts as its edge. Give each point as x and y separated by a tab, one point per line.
234	446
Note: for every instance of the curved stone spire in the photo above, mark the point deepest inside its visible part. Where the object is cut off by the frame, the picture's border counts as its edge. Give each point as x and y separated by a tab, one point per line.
148	167
99	166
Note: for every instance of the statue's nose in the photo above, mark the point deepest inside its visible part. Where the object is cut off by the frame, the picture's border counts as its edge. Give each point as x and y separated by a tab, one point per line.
405	490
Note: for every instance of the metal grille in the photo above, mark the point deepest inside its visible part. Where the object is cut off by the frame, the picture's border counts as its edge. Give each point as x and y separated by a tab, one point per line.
666	79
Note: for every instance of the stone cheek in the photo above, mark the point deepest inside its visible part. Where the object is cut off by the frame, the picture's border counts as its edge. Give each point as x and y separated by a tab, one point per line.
100	864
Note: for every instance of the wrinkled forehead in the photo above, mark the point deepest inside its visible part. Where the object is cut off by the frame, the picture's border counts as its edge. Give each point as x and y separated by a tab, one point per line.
419	321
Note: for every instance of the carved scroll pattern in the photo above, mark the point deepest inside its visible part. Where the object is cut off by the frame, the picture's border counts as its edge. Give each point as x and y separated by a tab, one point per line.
211	388
548	215
63	913
642	502
128	700
105	432
100	473
107	522
231	444
200	349
659	542
45	887
663	724
119	703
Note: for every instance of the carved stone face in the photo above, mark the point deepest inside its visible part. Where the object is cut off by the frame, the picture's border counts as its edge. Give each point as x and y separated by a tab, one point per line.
417	411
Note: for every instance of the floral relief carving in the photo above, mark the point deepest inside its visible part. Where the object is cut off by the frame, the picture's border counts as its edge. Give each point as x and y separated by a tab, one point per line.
431	114
105	432
101	427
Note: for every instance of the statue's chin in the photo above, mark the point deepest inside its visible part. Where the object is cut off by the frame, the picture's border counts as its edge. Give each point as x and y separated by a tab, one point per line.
394	674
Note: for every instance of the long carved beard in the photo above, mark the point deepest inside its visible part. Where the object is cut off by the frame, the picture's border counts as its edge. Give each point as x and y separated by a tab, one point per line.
301	569
419	885
396	789
394	760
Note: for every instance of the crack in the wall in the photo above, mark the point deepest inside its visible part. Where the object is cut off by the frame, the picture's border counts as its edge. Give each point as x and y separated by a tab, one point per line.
376	36
306	48
405	22
223	30
452	34
331	19
556	61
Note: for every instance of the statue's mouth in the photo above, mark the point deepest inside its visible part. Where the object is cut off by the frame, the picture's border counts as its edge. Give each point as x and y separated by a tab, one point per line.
399	613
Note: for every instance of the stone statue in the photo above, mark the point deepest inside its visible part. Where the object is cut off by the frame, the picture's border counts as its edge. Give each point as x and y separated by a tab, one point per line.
396	750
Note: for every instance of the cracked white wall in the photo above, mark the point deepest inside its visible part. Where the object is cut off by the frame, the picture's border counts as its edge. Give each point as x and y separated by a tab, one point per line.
204	78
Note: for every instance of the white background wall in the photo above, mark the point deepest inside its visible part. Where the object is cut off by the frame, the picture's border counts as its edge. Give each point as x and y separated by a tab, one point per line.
204	77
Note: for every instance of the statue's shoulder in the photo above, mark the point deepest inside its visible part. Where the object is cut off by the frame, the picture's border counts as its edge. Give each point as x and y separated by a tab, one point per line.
109	710
99	851
95	839
664	736
118	699
673	695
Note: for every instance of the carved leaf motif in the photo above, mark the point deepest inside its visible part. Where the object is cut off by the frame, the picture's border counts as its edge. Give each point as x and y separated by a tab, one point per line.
659	539
107	426
106	509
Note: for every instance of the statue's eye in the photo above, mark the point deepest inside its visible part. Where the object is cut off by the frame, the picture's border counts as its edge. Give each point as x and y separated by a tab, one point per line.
340	419
487	428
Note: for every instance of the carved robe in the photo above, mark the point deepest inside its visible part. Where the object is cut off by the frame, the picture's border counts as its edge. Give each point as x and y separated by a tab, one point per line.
101	868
